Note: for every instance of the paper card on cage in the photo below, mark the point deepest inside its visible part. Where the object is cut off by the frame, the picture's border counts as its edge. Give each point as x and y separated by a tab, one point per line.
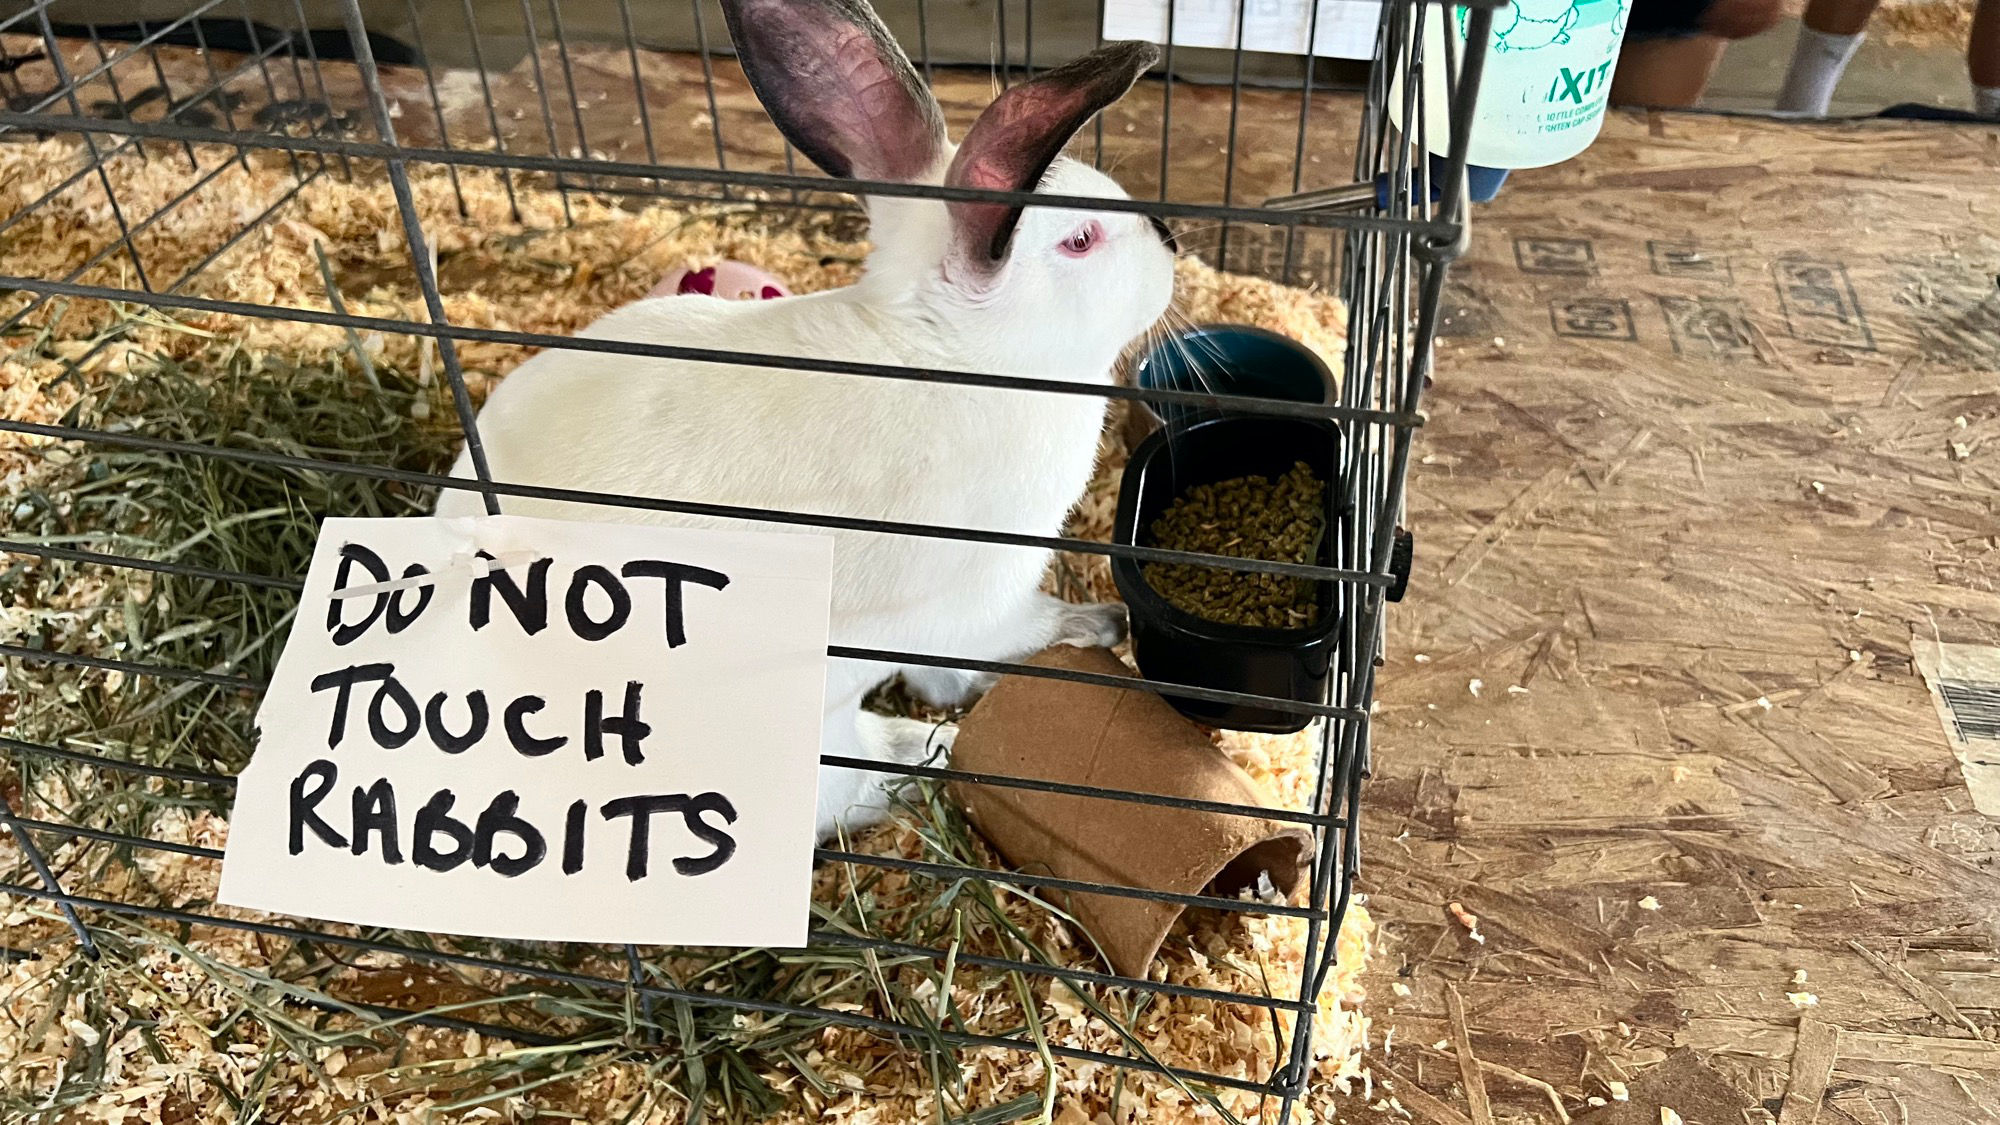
1345	29
543	730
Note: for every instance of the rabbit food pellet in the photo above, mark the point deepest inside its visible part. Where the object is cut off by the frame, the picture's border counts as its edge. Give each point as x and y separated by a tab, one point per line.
1245	518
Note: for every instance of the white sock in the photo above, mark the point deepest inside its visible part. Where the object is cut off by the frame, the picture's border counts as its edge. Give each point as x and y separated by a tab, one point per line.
1817	63
1986	101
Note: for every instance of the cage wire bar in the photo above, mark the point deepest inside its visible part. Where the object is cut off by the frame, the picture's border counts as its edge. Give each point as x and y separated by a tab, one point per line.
1388	261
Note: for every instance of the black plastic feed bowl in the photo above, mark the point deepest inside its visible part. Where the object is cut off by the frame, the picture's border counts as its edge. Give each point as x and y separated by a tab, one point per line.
1232	359
1174	646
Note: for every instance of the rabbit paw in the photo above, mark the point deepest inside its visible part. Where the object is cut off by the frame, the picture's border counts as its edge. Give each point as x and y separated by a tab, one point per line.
1091	626
901	741
853	800
949	688
910	742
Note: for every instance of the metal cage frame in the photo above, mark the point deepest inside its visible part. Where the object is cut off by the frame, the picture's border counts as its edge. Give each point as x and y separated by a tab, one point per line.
1392	264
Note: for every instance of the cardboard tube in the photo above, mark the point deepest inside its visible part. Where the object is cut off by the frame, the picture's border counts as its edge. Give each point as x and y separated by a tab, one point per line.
1083	734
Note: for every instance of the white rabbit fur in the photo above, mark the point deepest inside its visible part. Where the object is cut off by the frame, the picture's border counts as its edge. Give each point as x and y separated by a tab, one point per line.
918	452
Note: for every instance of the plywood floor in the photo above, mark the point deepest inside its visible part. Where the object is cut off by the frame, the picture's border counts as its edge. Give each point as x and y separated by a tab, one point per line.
1714	446
1717	433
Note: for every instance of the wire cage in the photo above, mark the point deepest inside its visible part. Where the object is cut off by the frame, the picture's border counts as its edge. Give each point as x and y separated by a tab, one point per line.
252	109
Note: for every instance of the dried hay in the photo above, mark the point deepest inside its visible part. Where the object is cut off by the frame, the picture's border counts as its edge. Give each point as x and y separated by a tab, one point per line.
210	1024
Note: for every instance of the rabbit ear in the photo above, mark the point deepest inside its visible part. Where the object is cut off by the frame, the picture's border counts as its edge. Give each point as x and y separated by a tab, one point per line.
838	86
1013	143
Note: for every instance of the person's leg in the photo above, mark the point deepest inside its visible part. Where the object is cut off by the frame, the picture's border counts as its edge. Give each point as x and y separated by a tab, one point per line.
1665	73
1982	57
1840	17
1671	50
1832	32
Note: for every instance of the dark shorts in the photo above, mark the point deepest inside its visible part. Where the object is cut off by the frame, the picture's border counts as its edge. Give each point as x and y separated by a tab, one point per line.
1665	19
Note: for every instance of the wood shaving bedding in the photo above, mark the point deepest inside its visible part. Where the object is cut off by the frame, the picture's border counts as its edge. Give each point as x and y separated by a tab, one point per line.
537	274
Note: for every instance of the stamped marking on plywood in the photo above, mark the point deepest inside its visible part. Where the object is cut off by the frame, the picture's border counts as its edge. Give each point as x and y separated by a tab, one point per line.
1820	305
1593	318
1709	326
1686	259
1567	256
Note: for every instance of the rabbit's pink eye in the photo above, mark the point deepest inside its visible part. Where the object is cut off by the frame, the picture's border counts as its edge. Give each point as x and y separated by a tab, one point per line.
1083	241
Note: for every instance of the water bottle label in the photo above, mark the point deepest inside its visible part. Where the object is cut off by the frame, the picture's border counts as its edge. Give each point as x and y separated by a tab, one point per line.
1546	84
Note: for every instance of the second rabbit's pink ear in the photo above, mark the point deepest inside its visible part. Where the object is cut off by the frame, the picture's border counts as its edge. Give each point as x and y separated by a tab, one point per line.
1013	143
838	86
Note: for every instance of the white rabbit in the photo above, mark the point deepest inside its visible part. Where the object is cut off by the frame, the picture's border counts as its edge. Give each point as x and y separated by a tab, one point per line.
960	286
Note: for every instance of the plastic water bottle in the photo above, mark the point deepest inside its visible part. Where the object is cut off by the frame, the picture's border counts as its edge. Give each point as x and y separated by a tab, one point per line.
1546	83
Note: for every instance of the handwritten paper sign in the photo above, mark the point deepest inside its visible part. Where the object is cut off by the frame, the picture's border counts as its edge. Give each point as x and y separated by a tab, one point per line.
545	730
1346	28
